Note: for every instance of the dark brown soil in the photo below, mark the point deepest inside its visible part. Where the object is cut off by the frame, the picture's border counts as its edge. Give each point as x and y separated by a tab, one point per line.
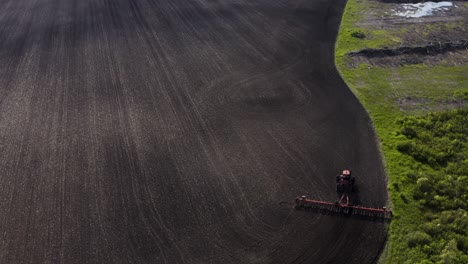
443	53
146	131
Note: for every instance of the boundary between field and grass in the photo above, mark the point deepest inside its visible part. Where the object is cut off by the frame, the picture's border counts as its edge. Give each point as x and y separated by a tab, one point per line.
407	103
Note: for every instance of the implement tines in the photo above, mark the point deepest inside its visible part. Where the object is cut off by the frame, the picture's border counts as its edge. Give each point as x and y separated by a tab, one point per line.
377	213
342	209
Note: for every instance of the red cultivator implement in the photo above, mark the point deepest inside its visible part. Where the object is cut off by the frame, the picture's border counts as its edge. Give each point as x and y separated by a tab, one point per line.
344	185
342	206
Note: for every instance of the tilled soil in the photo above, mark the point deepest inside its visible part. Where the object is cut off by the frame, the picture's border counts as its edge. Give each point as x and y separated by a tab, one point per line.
179	132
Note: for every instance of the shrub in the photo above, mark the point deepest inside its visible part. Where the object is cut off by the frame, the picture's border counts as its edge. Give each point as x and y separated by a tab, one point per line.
450	254
447	217
425	261
412	176
403	198
418	238
462	243
424	185
408	132
405	147
432	228
358	34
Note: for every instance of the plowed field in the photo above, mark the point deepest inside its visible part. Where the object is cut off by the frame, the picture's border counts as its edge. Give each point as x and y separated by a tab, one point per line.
146	131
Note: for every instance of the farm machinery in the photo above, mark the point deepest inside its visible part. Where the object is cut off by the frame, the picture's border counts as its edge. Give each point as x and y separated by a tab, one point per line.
344	188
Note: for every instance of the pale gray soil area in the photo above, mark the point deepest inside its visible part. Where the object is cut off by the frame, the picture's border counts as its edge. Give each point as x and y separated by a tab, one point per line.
384	17
146	131
425	105
442	26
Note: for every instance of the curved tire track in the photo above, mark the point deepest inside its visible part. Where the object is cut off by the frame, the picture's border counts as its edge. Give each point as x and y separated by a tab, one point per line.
148	131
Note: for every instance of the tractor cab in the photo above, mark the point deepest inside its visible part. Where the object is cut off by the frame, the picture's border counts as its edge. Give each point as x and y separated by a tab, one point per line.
345	182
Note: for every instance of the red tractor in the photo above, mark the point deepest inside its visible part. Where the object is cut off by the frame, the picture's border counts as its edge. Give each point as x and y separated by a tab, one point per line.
344	182
344	187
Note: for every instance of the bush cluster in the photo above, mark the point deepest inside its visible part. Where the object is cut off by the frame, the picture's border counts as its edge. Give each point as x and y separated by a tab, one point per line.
438	144
357	34
435	139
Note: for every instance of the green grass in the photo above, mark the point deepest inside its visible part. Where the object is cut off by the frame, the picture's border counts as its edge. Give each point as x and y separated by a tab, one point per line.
382	90
436	185
374	38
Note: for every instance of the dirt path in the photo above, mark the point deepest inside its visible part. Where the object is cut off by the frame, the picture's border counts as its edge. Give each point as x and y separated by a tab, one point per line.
145	131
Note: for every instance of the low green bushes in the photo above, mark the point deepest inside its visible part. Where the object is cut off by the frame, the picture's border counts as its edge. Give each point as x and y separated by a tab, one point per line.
425	155
438	144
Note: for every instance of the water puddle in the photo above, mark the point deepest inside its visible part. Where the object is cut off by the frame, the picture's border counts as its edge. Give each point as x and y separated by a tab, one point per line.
421	9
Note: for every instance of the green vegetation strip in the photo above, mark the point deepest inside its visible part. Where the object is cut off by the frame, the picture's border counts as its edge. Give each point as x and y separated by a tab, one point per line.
420	115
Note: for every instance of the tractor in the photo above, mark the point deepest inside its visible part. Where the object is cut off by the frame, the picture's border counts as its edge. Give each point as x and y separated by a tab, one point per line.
345	182
344	187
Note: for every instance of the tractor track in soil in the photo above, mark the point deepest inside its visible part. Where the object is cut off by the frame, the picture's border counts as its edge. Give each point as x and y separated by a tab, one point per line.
146	131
